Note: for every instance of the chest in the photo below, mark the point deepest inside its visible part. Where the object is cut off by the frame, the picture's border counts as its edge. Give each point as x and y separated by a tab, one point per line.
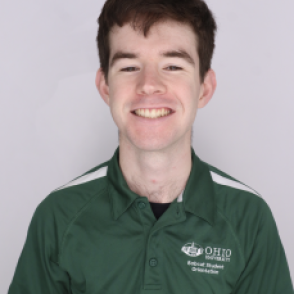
137	254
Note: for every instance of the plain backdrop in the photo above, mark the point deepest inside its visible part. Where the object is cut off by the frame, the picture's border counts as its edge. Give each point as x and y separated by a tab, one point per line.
54	126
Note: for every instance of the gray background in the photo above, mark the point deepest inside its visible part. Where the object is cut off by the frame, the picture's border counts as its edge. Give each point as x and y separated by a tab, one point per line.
54	126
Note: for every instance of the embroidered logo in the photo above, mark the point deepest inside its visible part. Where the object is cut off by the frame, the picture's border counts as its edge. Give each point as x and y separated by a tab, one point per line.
192	249
211	253
209	264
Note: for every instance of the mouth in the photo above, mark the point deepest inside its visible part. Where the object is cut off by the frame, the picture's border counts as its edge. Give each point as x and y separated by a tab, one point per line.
152	112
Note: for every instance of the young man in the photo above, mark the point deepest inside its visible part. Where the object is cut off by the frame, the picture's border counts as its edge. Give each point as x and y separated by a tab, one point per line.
155	218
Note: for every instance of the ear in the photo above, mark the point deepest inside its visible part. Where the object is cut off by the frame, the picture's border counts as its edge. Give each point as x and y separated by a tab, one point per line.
102	86
208	88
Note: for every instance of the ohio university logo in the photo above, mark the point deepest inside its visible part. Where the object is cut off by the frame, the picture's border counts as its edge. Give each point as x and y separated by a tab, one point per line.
192	249
211	253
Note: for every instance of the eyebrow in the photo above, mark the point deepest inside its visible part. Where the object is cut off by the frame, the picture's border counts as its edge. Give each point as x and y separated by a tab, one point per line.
120	55
179	54
172	53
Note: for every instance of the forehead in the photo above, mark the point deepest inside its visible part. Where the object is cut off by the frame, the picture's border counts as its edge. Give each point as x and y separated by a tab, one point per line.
164	35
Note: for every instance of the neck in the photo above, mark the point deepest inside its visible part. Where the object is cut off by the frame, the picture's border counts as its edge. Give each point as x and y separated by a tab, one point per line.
158	175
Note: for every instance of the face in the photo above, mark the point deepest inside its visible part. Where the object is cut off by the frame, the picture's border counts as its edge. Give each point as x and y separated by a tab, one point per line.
154	87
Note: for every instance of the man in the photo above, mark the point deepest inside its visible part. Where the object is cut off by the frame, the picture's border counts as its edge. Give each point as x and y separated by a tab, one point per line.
155	218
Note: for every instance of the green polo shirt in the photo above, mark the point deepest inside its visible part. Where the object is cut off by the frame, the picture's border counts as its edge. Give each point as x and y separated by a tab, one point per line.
95	236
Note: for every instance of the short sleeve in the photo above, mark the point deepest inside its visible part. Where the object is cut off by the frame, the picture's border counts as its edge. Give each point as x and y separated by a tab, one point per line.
266	270
38	270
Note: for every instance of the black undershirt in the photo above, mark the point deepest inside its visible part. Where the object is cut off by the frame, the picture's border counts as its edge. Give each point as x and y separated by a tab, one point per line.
159	208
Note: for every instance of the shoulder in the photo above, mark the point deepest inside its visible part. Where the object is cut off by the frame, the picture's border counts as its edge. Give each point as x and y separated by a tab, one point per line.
57	211
79	191
243	208
232	194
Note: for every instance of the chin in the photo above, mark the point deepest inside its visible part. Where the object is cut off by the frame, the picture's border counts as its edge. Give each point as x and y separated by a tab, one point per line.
152	144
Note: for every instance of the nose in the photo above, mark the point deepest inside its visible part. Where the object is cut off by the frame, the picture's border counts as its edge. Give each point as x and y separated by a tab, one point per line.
150	82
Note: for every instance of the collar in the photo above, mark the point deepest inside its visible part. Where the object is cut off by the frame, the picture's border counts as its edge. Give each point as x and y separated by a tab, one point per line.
198	197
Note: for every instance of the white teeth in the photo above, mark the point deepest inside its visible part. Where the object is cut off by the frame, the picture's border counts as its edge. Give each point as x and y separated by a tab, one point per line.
152	113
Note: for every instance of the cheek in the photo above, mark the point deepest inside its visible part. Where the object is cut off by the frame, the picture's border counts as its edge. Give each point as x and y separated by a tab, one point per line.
121	88
120	96
188	93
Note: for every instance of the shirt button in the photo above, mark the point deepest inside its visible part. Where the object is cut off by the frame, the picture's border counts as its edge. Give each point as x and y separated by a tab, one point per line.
153	262
141	205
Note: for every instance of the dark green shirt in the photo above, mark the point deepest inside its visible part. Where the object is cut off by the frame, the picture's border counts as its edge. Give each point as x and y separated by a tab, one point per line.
95	236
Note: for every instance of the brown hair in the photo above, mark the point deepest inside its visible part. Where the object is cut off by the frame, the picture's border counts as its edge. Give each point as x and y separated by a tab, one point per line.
142	14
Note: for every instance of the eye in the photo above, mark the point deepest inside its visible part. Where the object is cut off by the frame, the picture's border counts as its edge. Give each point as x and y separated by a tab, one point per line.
173	68
129	69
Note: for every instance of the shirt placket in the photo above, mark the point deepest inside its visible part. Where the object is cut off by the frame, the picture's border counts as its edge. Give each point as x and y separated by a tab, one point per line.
152	228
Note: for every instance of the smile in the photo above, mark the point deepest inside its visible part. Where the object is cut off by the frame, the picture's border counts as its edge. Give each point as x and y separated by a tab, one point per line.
152	113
